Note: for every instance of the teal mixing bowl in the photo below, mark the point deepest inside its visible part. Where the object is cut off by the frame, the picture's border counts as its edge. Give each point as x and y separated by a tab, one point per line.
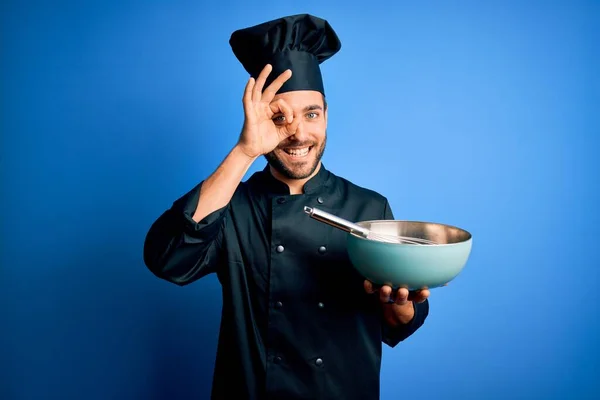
412	266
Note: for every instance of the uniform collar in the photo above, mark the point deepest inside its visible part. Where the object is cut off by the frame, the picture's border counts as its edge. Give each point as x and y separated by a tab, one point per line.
314	185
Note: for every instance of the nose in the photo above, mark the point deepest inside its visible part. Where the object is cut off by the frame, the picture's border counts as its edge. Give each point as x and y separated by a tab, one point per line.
301	133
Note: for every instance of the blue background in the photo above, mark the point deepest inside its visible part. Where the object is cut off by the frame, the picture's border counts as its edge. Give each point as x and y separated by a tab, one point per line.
479	114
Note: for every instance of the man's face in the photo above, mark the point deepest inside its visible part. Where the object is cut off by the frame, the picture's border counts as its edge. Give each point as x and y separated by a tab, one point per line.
299	155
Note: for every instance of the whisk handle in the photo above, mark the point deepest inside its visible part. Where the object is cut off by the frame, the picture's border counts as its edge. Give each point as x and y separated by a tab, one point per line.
335	221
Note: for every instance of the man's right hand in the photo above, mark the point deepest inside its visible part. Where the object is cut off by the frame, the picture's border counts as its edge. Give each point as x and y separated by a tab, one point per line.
260	133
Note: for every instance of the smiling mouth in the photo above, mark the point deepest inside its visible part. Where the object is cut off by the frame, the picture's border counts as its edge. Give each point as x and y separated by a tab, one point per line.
297	152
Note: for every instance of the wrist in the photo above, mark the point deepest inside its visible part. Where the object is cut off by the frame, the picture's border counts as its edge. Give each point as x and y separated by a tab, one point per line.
246	156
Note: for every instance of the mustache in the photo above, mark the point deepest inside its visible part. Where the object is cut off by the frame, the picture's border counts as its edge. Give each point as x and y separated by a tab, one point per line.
295	145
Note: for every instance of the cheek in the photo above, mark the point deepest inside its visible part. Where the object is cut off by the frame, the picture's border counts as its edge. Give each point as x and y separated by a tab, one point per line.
319	131
318	138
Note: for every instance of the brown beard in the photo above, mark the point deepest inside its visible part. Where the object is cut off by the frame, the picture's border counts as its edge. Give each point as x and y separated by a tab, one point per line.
280	166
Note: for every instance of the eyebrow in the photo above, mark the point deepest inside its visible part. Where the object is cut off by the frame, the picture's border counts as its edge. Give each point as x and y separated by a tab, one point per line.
312	107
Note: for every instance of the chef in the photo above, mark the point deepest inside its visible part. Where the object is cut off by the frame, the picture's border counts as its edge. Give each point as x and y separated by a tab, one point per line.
298	321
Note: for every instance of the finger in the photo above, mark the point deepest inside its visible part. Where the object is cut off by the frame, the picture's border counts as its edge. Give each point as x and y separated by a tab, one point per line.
293	127
384	294
419	296
402	296
280	106
422	296
272	89
260	82
369	288
247	98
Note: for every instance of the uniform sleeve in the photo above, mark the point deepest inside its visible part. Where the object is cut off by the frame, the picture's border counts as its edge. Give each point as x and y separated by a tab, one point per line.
394	335
180	250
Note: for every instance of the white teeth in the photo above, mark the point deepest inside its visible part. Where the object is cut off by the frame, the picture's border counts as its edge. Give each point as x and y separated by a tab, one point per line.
297	152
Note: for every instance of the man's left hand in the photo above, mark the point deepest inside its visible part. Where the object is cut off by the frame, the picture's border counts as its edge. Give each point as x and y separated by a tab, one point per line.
401	310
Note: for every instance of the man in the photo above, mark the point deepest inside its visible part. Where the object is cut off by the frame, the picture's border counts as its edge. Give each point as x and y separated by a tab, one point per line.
298	322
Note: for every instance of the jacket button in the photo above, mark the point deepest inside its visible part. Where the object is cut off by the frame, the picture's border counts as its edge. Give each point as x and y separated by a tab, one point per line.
279	304
321	305
322	249
319	362
280	249
320	200
277	360
281	200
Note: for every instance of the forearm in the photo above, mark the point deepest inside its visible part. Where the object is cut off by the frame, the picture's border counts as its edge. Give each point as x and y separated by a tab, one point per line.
179	249
184	243
218	189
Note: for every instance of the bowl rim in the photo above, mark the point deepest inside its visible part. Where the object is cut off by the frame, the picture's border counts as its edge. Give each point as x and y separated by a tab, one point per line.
371	221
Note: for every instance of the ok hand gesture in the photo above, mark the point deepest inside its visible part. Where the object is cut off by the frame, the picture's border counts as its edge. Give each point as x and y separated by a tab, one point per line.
260	133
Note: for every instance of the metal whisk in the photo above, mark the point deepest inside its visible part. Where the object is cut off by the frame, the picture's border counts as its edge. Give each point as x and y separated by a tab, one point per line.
353	228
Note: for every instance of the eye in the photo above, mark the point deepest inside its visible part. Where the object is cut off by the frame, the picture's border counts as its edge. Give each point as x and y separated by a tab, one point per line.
279	119
312	115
